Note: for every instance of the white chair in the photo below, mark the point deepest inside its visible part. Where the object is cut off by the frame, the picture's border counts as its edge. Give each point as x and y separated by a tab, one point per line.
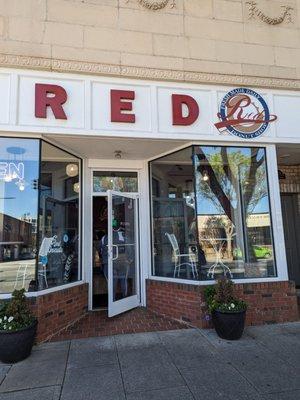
42	276
42	268
22	275
178	257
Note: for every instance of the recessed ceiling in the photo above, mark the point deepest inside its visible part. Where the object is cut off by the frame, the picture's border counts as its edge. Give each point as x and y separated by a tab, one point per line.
104	147
141	149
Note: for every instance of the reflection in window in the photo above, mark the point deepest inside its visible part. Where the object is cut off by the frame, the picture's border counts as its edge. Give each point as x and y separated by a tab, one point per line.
233	214
211	215
124	245
19	172
174	216
118	181
58	218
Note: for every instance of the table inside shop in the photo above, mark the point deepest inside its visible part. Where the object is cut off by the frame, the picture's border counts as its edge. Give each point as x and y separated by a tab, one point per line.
217	245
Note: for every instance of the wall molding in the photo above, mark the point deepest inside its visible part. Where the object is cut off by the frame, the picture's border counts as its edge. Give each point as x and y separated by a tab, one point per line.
156	5
90	68
256	12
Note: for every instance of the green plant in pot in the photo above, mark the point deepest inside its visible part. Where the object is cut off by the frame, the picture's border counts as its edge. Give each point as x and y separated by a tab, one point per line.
17	328
228	313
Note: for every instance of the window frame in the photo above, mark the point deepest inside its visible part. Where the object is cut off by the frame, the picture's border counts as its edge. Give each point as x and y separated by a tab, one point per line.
272	186
38	140
80	244
79	280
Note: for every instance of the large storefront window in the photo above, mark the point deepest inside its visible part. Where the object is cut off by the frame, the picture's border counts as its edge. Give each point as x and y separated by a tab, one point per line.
230	232
38	250
174	216
19	173
58	217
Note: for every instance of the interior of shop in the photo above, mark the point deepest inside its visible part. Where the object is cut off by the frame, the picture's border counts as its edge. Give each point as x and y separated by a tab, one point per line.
100	287
58	234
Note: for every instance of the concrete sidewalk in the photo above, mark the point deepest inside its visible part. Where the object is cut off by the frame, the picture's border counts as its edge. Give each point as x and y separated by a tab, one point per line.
174	365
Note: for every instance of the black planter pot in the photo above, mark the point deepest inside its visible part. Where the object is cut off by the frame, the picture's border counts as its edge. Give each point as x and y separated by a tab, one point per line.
229	326
16	346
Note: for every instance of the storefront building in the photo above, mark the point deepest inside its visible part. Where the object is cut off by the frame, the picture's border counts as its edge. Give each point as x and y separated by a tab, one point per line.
132	187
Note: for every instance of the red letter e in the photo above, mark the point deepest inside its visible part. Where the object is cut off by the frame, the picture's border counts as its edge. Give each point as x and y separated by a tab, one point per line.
117	105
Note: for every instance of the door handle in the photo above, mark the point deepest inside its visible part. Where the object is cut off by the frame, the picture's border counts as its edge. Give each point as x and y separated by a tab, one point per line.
117	252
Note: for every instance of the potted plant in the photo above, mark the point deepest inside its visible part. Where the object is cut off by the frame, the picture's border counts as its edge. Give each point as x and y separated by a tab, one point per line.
228	313
17	328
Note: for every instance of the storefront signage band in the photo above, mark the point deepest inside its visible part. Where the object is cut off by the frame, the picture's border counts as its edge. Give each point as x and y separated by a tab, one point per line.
243	112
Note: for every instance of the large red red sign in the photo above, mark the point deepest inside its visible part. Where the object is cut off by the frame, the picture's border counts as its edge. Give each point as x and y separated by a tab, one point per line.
121	105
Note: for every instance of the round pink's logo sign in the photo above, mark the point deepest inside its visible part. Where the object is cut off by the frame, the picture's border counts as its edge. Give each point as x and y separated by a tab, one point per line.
244	113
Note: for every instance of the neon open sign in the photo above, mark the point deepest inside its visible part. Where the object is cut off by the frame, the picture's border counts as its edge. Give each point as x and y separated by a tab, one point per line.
11	170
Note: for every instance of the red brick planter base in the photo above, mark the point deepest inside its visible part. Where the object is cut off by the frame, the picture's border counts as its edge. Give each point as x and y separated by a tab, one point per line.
271	302
58	312
59	309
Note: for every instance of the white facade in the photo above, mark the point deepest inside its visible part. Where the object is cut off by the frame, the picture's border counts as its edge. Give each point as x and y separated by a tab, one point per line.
88	110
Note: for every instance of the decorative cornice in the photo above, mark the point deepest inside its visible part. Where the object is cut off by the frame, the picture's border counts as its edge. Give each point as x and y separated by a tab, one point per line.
255	11
80	67
9	60
155	5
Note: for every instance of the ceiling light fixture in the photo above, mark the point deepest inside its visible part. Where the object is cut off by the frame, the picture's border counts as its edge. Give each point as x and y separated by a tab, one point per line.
72	170
76	187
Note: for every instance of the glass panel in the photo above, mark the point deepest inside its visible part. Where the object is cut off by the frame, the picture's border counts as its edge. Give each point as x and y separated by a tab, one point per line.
233	213
118	181
100	251
175	249
19	172
59	217
124	262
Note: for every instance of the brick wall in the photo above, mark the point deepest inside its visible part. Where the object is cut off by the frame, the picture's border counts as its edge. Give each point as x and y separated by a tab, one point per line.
57	310
267	302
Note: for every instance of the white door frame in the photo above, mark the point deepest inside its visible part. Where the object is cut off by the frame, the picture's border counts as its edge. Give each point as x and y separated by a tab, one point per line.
119	306
141	168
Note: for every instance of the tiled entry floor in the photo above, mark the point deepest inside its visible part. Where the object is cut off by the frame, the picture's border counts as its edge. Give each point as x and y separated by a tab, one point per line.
97	323
186	364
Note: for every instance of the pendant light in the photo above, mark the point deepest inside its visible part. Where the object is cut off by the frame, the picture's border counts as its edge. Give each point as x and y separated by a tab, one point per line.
21	185
72	170
76	187
205	176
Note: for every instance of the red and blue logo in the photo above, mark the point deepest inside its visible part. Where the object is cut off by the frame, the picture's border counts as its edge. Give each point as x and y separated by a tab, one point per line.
244	113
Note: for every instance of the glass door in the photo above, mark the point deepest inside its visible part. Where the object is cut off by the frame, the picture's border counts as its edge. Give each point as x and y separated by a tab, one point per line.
123	253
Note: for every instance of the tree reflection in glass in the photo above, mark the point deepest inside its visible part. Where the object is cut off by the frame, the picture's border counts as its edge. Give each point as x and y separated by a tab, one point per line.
233	213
